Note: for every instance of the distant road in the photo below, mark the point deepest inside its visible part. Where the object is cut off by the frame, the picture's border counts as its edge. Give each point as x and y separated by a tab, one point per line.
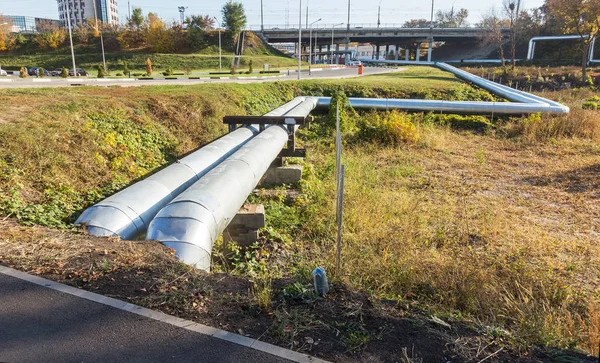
49	82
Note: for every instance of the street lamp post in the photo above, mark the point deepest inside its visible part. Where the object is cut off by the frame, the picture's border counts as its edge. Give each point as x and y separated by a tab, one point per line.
332	29
71	38
219	30
299	38
310	44
430	50
101	38
379	13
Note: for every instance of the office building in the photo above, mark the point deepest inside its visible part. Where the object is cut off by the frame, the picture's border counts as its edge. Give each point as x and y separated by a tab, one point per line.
80	10
30	24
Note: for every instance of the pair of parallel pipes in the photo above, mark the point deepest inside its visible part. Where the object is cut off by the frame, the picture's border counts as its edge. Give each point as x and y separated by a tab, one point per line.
187	205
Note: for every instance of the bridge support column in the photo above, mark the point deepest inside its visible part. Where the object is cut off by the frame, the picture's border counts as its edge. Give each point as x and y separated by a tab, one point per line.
387	51
397	55
377	56
430	50
407	54
418	55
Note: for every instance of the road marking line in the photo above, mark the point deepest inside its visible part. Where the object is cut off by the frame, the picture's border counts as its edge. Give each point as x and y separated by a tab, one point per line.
159	316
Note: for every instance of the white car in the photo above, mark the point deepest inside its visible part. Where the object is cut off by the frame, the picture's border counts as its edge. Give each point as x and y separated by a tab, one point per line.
354	63
3	72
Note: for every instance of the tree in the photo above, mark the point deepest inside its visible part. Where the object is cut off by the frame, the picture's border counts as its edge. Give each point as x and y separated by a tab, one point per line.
100	71
512	9
200	22
137	18
157	36
452	19
495	36
581	17
416	23
64	73
5	26
234	17
148	67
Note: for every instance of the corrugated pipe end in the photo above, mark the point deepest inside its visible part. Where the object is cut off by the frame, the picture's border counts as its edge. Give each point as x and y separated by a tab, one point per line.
190	254
98	221
190	238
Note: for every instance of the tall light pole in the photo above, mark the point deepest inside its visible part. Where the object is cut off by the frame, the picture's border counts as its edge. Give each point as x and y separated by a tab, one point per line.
310	44
332	29
101	38
430	49
220	64
379	13
348	28
71	38
299	38
262	24
182	13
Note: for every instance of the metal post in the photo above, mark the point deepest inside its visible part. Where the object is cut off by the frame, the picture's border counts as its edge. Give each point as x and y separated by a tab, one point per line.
299	39
220	63
430	49
348	28
71	39
379	14
262	24
101	38
310	44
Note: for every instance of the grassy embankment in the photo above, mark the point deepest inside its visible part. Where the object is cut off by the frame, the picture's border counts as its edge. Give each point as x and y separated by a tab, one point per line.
491	227
89	57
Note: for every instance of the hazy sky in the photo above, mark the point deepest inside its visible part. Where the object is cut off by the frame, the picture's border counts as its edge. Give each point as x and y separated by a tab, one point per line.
332	11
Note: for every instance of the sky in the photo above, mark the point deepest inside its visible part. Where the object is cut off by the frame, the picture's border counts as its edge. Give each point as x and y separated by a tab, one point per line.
278	13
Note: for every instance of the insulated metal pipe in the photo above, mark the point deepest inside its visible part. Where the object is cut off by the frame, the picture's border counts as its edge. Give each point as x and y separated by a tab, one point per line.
127	213
191	223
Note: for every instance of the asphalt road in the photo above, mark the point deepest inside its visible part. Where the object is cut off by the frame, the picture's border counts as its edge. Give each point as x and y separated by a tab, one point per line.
49	82
38	324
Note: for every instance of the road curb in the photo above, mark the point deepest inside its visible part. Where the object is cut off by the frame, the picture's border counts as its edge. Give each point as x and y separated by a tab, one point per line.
162	317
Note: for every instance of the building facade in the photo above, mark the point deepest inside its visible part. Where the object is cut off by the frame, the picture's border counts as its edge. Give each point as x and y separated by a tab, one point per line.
30	24
81	10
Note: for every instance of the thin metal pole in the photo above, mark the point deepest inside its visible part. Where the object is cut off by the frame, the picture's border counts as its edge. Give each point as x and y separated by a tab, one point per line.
348	28
340	211
299	39
430	48
332	29
262	24
71	39
101	38
220	64
309	49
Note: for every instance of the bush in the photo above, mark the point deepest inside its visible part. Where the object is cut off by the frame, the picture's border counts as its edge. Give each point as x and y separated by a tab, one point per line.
168	72
589	105
250	68
126	70
391	128
64	73
137	74
23	72
119	74
148	67
347	114
100	72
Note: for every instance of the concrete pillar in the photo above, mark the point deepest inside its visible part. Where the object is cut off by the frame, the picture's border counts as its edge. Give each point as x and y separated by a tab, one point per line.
377	56
387	51
407	54
397	55
418	56
244	227
430	50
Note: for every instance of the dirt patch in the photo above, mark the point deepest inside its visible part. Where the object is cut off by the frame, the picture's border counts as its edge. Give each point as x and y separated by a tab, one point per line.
345	326
14	112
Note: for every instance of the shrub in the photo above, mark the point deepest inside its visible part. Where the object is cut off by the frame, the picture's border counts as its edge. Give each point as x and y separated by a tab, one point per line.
100	72
119	74
23	72
392	128
589	105
168	72
347	114
250	68
64	73
148	67
589	81
126	70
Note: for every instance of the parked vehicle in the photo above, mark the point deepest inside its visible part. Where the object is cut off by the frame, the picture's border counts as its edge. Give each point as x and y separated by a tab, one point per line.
354	62
35	71
80	72
3	72
57	72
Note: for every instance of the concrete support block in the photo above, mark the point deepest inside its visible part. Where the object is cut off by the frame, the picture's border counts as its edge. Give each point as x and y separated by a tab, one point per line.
418	56
406	54
277	175
244	227
397	55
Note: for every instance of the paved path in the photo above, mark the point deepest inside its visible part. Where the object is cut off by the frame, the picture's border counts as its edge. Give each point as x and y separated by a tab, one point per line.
40	324
49	82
